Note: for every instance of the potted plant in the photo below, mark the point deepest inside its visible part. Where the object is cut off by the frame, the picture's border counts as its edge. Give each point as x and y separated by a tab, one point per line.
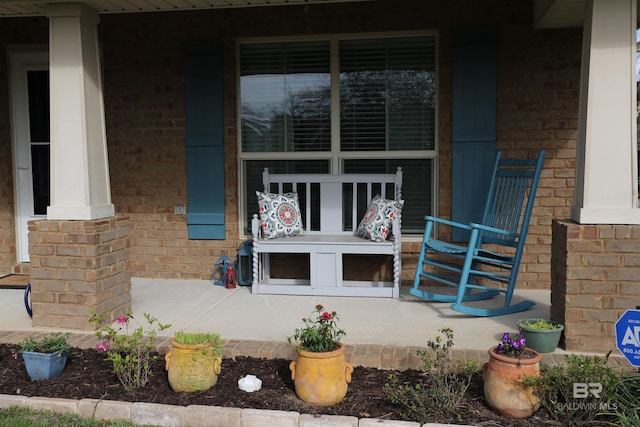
194	362
509	362
542	335
46	357
320	373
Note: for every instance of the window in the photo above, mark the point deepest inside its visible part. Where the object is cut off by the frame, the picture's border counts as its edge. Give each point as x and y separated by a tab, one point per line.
341	105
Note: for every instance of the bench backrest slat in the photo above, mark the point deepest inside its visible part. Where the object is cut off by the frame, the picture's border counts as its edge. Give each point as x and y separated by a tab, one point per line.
334	204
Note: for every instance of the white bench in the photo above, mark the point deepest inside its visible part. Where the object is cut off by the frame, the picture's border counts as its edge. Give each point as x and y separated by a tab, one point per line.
331	207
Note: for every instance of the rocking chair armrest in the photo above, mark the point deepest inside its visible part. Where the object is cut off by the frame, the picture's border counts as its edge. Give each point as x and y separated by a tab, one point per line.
492	229
447	222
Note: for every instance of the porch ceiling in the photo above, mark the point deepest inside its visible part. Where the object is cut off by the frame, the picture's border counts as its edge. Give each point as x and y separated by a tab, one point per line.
546	13
14	8
558	13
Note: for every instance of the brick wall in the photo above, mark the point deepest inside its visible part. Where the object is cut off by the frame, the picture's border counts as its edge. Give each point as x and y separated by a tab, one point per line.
143	82
595	272
538	75
538	109
78	266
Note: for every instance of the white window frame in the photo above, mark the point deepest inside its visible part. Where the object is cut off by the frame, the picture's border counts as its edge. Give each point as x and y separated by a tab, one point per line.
335	156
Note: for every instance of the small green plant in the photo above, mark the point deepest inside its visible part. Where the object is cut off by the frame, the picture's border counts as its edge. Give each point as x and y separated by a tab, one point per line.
129	351
541	324
200	338
51	343
321	332
444	386
578	392
627	410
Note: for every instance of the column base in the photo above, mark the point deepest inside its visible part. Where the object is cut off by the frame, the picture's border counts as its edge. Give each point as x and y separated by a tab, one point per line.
594	275
78	267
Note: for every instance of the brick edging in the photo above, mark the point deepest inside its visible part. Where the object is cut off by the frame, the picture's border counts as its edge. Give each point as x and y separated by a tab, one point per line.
192	415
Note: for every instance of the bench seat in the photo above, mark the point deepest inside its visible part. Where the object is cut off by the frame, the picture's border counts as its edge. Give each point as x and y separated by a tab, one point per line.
327	246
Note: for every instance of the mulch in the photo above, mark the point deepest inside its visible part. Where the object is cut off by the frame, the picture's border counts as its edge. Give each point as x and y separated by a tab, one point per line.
88	375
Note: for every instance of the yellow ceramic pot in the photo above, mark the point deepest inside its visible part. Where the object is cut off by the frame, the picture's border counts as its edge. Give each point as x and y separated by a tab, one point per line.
321	378
503	388
192	367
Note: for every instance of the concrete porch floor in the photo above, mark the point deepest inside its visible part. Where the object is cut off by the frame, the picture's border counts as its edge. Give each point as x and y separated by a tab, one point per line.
381	332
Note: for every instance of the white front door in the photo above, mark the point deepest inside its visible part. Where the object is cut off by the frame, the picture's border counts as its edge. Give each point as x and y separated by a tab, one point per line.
30	131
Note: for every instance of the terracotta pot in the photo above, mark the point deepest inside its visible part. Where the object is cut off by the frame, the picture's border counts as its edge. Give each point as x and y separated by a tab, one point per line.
503	389
192	367
321	378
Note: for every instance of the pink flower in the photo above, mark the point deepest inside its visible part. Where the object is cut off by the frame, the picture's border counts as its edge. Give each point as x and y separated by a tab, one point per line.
122	319
102	346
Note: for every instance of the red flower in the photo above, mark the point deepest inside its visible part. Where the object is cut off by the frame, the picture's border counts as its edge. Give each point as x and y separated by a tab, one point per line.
326	316
319	307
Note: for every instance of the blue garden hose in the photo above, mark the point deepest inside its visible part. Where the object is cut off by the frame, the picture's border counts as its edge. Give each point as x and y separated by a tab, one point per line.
27	304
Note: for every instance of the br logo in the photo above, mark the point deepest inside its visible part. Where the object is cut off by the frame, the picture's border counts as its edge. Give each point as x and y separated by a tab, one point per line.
583	390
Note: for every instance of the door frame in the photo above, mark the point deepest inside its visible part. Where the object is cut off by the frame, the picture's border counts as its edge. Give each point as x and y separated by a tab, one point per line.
22	60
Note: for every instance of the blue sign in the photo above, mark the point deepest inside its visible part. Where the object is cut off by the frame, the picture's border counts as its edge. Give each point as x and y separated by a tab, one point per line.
628	336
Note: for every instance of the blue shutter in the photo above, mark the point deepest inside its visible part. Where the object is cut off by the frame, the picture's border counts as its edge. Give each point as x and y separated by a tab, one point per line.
205	140
474	123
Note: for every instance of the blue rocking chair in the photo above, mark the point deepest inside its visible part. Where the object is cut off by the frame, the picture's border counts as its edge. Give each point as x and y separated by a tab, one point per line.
495	245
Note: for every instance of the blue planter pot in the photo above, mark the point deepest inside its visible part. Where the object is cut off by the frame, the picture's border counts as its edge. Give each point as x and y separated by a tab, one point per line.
42	366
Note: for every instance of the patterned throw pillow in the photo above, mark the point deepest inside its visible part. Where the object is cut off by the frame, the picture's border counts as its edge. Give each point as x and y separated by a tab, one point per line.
280	215
376	223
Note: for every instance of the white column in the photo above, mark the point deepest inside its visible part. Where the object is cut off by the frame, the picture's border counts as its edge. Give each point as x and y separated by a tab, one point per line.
606	167
80	186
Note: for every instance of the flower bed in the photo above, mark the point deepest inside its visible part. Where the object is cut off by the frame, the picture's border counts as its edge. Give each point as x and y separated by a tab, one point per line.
88	375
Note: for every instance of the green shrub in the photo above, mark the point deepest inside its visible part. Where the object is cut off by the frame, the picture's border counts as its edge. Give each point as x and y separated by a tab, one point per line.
628	404
443	388
581	391
130	350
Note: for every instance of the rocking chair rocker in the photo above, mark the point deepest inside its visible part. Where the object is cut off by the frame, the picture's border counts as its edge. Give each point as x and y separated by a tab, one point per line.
495	245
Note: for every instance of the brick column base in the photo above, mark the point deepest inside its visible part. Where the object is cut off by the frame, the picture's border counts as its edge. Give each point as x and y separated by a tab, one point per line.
76	267
594	279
